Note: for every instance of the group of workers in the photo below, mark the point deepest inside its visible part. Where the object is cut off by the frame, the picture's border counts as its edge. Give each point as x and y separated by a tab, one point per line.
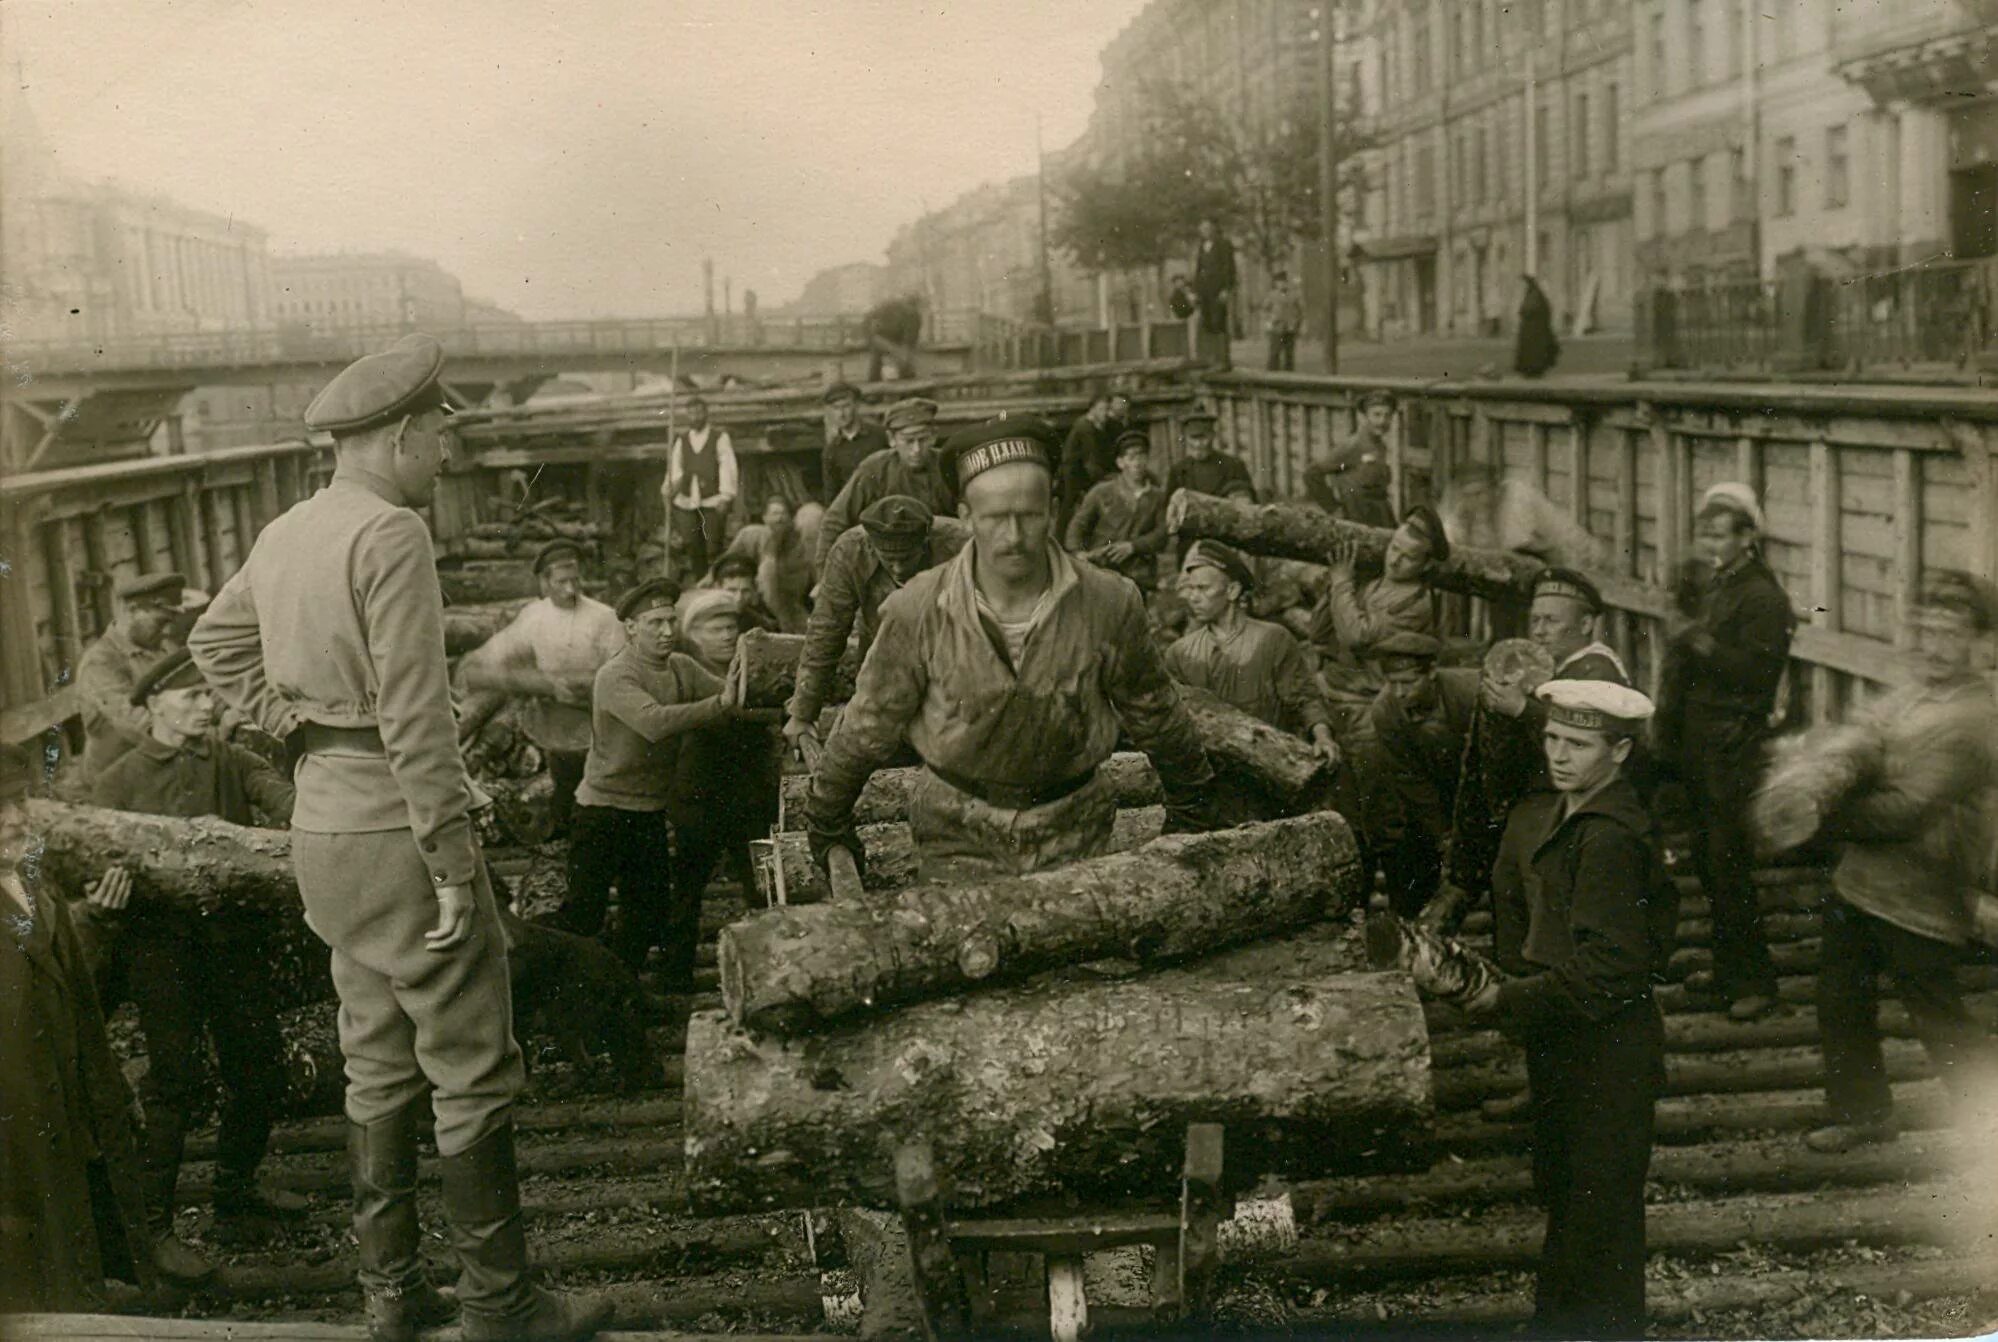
989	600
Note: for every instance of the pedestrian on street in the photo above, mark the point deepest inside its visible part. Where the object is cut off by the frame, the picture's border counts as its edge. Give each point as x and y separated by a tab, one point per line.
897	538
1283	317
111	666
908	467
1535	347
849	439
780	558
701	484
1012	671
546	659
1214	281
331	638
1905	873
1121	523
1731	660
71	1210
143	953
1354	483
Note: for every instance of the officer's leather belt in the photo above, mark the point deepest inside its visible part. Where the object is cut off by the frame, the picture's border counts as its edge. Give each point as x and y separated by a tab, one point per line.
1013	798
309	737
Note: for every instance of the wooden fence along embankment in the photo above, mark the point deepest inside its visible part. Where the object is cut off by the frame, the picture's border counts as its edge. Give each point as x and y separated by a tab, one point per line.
1864	488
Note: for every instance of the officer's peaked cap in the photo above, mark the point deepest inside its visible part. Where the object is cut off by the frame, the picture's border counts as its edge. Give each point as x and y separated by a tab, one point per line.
380	388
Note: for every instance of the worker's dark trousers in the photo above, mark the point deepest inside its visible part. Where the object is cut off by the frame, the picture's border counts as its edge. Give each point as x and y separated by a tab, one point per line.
1594	1084
190	984
1721	766
698	848
633	851
565	775
1857	949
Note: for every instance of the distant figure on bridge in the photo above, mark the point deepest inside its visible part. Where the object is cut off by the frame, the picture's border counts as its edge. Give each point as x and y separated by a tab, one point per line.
110	667
1354	483
894	328
1535	349
1088	454
849	440
700	489
1283	317
909	467
1214	281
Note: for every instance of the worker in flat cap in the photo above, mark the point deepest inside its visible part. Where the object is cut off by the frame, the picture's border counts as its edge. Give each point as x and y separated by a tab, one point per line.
898	537
110	667
1730	659
1121	522
1011	670
1354	482
71	1211
779	554
184	767
1253	664
700	488
908	467
1089	452
735	574
546	659
1584	921
1204	466
648	701
331	638
850	439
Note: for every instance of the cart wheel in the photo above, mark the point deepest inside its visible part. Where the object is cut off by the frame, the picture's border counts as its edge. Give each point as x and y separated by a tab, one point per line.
939	1284
1200	1207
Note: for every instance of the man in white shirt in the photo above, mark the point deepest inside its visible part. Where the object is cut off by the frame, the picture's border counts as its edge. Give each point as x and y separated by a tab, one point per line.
548	659
700	489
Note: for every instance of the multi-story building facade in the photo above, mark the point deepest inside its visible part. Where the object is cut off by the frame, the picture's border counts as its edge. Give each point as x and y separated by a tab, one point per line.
1504	150
847	290
365	289
983	253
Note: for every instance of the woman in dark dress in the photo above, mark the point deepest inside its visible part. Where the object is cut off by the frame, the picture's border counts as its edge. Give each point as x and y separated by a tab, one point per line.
1536	348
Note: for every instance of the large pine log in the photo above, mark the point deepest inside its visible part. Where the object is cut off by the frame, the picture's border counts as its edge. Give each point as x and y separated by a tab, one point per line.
885	799
1070	1083
466	627
768	665
1303	531
485	581
891	856
796	969
1271	770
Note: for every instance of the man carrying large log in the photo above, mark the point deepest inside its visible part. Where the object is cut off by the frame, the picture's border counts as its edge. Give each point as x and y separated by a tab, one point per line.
149	953
906	467
1010	670
331	638
1350	619
1202	466
111	666
547	658
898	537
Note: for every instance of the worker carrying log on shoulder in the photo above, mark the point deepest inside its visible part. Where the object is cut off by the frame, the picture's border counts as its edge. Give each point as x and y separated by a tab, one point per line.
1351	619
1253	664
1010	670
898	537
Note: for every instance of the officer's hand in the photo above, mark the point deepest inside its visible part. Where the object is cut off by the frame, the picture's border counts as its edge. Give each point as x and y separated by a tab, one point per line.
455	909
1505	698
113	890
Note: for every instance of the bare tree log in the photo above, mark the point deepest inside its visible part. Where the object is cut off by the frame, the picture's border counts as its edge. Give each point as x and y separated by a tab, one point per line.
1302	531
1272	771
1182	895
466	627
485	581
768	665
1070	1083
885	799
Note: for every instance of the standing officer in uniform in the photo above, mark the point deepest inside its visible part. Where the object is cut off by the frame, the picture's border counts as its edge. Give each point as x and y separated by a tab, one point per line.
1010	670
907	467
331	638
111	666
1354	483
897	538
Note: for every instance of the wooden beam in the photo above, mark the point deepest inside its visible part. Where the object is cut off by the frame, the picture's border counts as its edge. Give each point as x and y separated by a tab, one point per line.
61	576
269	505
1578	470
208	512
183	531
1827	571
1907	561
99	567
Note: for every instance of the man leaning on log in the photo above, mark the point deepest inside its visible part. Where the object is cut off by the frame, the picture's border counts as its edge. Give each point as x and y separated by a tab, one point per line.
1009	670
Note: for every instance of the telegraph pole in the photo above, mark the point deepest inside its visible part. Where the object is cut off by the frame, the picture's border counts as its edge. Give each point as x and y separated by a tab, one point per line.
1328	182
1047	311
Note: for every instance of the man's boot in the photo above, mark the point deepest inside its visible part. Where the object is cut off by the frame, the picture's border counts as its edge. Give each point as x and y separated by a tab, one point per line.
496	1292
381	1157
159	1175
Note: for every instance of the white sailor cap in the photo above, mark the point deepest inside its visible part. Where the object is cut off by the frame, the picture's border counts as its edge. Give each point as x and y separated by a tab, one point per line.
1597	705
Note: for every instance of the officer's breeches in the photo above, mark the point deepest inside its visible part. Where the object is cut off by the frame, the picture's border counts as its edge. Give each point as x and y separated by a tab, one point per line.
410	1017
961	837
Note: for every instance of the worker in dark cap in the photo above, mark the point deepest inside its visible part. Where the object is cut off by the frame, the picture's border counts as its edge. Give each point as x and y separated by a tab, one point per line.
331	638
1409	762
1088	454
908	467
110	666
1353	484
1121	522
184	767
1253	664
71	1213
647	700
1011	670
735	573
1203	466
897	538
547	658
849	439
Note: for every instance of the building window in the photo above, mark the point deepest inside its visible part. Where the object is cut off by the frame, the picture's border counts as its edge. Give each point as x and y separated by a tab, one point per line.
1425	181
1732	37
1419	50
1612	130
1479	164
1542	143
1838	169
1786	177
1741	205
1580	136
1696	43
1660	226
1657	50
1696	194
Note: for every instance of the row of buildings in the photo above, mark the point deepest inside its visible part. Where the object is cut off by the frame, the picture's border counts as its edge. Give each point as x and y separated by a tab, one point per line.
1603	146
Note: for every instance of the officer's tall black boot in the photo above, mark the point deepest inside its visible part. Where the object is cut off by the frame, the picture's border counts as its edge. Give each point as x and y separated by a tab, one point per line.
159	1177
397	1292
496	1291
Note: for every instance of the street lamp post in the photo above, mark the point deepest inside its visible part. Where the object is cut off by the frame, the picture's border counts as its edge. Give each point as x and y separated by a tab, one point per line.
1328	182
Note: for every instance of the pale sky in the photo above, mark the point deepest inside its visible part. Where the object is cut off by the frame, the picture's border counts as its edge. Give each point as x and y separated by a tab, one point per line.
564	159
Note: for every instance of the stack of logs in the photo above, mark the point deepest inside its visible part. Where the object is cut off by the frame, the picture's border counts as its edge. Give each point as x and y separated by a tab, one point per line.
494	561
